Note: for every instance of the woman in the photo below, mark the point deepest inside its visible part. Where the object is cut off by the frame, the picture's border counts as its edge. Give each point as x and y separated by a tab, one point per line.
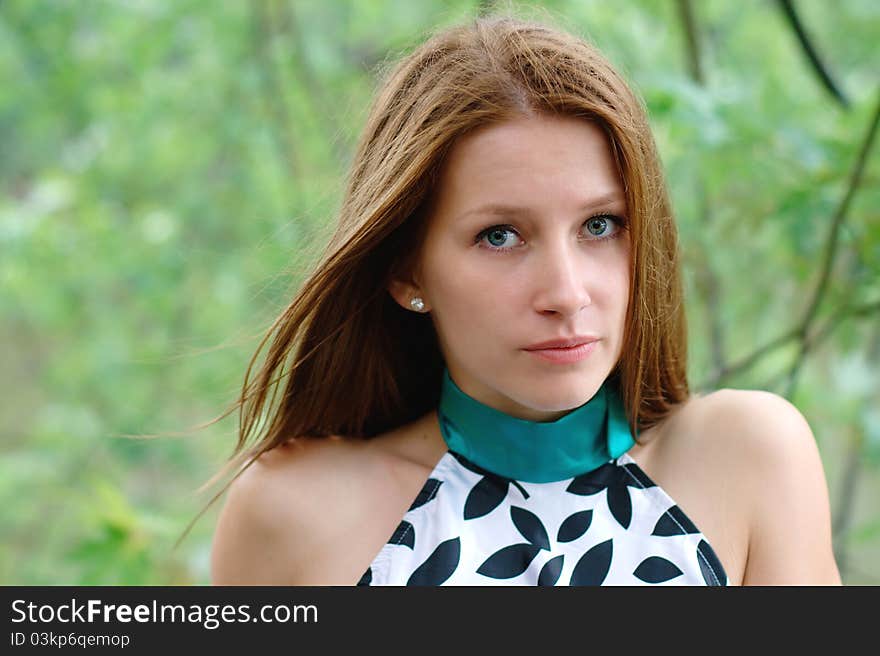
486	369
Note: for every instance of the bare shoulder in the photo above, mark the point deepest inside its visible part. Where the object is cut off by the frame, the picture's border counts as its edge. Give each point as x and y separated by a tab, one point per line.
765	447
284	510
754	413
761	431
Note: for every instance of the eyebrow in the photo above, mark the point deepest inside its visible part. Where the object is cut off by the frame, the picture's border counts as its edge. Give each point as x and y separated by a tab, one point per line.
502	209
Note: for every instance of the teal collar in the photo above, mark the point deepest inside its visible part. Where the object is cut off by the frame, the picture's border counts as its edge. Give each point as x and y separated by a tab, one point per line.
535	452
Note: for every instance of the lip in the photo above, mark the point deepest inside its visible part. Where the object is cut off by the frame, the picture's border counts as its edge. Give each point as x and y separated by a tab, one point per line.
563	343
566	355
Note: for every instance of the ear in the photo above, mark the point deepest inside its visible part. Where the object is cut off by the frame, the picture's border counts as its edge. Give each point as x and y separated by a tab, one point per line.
403	292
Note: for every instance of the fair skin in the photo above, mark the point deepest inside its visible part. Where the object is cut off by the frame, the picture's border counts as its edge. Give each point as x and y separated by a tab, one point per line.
743	465
560	269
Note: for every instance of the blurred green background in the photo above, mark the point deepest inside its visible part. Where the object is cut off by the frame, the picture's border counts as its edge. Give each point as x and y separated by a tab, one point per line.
167	166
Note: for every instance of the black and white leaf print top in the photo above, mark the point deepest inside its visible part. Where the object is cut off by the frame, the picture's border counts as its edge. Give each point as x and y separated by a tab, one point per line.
610	526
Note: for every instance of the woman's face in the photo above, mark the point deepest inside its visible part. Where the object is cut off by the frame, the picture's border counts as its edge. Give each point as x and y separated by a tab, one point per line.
525	244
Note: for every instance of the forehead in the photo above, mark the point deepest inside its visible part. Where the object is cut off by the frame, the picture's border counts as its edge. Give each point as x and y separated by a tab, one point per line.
548	161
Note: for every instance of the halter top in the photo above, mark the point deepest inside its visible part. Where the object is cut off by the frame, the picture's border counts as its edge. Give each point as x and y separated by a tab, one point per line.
607	525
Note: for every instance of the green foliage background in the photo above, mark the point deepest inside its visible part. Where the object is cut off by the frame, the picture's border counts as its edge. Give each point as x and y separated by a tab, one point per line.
168	166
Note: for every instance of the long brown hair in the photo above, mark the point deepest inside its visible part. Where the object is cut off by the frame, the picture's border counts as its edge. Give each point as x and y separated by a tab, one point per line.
356	363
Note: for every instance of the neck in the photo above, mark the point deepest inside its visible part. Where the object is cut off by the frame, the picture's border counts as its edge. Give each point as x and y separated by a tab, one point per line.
538	452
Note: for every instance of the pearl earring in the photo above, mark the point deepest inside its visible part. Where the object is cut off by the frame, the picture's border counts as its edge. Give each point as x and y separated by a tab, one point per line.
417	304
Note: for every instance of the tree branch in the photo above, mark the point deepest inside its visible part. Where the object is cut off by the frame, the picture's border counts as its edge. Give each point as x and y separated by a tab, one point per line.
289	24
831	246
708	281
843	510
748	361
838	317
272	84
711	285
825	332
801	330
689	26
840	216
819	68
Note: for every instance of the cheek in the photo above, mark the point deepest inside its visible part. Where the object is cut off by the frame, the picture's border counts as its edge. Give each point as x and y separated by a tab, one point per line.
611	292
621	282
474	303
472	296
618	266
621	302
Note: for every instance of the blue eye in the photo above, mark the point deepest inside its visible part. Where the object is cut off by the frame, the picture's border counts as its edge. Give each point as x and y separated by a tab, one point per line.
497	234
601	227
597	225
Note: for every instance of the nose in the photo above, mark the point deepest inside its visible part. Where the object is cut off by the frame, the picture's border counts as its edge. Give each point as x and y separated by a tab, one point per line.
563	276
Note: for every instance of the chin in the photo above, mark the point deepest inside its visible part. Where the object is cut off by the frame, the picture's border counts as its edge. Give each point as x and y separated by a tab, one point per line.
567	397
